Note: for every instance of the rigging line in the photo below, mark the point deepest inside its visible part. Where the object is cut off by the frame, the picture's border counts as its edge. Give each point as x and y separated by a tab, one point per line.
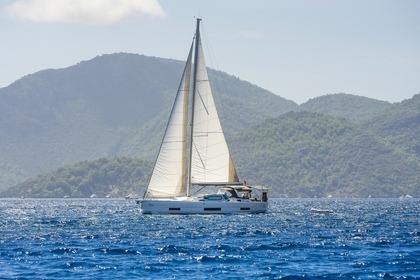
202	101
200	189
221	87
213	61
199	156
219	83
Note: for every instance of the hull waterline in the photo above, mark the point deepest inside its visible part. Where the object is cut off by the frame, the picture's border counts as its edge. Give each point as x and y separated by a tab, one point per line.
158	206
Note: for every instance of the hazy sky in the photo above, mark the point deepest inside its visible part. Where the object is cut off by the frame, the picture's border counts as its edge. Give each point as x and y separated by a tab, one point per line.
298	49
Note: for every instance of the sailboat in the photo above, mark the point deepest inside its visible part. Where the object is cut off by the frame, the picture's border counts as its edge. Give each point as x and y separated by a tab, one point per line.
199	160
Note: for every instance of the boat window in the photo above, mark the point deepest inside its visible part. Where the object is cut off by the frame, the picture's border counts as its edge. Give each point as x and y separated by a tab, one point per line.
216	197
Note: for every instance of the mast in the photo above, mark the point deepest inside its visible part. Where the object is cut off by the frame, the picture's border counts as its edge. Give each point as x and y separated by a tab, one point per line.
197	42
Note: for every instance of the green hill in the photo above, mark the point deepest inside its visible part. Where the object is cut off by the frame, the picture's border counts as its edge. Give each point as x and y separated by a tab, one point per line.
298	154
309	154
116	177
112	105
347	106
399	126
113	108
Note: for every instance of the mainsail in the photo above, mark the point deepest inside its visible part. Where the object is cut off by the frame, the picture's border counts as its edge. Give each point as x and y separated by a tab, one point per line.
210	161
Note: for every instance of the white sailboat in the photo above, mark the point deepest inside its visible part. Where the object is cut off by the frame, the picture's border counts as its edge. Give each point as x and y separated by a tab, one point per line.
201	160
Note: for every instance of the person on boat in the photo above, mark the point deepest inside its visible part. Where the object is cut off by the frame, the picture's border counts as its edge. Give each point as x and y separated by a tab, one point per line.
246	195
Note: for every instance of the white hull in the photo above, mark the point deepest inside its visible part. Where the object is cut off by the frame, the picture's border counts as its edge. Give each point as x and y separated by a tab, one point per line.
163	206
207	161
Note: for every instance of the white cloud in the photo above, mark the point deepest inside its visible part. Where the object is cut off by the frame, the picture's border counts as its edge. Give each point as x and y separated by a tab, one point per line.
83	11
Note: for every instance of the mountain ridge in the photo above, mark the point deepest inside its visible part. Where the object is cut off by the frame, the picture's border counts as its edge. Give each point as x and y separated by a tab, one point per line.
117	106
110	105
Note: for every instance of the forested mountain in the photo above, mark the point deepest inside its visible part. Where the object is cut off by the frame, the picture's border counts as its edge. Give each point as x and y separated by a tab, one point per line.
298	154
116	177
117	105
399	126
111	105
310	154
347	106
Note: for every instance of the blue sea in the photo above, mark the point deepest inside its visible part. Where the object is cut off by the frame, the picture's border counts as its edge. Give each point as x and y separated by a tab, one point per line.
111	239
